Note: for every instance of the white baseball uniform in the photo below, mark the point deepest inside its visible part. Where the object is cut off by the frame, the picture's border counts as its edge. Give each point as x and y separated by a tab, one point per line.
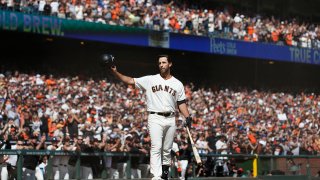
55	163
162	97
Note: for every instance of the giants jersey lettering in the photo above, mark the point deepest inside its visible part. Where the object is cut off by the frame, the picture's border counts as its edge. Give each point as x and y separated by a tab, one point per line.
162	95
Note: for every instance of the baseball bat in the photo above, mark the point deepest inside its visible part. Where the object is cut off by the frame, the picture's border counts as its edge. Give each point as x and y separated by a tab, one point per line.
194	149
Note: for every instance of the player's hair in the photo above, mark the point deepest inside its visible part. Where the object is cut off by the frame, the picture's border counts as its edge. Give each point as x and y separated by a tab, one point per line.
166	56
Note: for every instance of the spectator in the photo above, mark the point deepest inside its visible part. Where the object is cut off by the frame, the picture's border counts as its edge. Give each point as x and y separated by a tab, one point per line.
221	146
179	17
86	161
31	161
46	12
41	168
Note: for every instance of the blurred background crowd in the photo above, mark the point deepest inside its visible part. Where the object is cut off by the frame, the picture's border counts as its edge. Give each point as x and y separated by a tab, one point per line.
182	16
87	115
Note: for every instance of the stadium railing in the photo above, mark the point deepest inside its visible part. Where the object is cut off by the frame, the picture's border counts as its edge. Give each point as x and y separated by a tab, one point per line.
284	167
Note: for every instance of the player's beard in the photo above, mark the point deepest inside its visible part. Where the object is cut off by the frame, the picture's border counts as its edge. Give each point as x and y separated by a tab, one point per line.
164	71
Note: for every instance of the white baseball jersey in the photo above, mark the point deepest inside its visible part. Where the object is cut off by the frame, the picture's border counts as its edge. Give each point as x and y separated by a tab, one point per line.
55	159
162	95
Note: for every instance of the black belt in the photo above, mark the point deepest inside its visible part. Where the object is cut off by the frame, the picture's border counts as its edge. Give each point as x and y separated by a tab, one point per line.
165	114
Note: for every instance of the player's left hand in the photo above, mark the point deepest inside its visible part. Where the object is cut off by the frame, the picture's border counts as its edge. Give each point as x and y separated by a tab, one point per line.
188	122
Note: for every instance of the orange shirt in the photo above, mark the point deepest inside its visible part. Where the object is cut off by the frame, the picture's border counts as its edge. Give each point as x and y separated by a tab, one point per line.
275	36
51	130
173	22
252	139
177	26
24	135
289	39
39	96
90	119
250	30
115	13
50	82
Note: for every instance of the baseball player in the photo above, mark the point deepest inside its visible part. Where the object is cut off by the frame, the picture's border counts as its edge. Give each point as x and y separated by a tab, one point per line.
164	93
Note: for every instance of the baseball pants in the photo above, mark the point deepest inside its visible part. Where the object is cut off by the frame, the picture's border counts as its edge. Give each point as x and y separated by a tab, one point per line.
162	130
4	172
28	174
86	172
145	169
184	165
64	173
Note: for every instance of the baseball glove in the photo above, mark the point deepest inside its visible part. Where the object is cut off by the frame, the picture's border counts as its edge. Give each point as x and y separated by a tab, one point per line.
108	60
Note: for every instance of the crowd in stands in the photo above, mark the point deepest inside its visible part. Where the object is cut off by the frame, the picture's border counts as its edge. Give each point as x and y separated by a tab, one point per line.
89	115
178	16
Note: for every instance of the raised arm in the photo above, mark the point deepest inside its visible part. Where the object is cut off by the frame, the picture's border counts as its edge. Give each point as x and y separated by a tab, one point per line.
126	79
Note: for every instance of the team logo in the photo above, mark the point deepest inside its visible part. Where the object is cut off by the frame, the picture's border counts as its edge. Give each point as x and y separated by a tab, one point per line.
168	89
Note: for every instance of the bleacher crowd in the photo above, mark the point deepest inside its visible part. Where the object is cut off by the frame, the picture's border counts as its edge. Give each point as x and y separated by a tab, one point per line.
74	114
178	16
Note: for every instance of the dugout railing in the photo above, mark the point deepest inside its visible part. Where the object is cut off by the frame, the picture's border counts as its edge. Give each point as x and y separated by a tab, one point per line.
260	166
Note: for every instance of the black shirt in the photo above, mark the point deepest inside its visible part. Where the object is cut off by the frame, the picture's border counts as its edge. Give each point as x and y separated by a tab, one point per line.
73	129
135	159
44	126
212	142
185	154
86	160
30	161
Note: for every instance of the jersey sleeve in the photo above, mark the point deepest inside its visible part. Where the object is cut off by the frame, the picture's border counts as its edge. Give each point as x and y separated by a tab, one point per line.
142	82
181	93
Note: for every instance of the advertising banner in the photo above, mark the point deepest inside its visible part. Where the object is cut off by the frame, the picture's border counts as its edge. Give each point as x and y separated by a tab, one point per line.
52	26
